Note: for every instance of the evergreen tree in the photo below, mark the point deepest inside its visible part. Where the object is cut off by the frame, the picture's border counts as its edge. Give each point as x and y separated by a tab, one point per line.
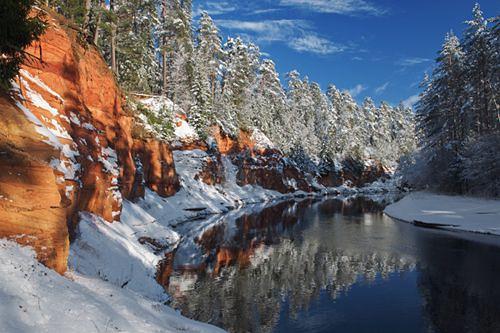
239	77
18	30
138	69
481	73
268	101
441	117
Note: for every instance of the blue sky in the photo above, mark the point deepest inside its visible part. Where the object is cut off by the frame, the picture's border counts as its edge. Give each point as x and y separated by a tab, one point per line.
378	48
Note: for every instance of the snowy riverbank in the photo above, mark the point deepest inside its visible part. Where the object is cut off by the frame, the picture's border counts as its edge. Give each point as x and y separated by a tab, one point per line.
454	213
111	283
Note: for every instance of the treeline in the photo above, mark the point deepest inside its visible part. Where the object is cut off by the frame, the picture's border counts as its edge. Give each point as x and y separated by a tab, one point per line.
153	47
458	116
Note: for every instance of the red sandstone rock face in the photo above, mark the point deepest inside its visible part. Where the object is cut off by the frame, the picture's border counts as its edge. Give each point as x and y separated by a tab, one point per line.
212	172
264	167
228	145
271	172
157	169
72	94
31	210
354	172
191	145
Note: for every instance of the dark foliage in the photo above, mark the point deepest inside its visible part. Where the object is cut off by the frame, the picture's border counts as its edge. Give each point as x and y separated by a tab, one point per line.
18	29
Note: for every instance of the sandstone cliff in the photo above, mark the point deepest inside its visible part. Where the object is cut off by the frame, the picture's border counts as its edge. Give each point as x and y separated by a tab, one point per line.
66	146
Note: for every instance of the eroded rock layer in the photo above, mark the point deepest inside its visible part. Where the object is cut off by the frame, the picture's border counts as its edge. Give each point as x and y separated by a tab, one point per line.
66	146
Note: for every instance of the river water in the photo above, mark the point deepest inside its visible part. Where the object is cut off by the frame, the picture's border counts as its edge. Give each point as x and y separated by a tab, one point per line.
333	266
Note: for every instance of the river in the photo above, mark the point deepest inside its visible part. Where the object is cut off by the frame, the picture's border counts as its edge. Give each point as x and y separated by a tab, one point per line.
332	266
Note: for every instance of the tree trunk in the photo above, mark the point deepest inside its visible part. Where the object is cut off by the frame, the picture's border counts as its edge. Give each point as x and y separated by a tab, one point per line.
212	83
164	51
113	39
86	19
100	6
164	72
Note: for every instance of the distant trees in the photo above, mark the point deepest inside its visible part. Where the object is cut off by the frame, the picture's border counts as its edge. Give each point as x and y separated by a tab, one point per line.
458	118
17	31
152	47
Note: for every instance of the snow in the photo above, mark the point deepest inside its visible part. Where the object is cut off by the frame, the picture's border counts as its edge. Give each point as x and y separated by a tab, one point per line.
261	140
455	213
109	160
68	167
74	119
37	99
40	83
36	299
196	198
112	252
184	131
88	126
157	103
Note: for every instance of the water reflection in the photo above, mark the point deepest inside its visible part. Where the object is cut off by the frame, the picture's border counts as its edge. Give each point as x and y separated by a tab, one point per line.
272	268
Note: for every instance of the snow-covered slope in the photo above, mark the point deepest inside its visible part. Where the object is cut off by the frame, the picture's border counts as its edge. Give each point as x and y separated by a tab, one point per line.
196	198
34	298
448	212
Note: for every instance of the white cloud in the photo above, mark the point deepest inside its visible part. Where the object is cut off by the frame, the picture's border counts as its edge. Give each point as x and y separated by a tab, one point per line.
297	34
407	62
358	89
348	7
382	88
264	11
214	8
267	30
410	101
315	44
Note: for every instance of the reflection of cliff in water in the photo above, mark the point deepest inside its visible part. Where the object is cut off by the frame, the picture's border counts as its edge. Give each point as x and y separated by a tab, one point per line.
286	253
240	271
460	286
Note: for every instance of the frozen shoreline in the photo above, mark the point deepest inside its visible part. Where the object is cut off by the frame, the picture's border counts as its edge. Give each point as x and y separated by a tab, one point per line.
111	282
452	213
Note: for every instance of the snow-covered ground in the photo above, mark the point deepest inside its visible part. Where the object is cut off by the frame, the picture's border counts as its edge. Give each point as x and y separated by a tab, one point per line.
453	213
34	298
196	199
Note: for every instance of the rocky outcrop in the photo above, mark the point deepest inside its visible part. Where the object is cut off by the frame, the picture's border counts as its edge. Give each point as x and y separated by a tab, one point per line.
31	209
155	169
271	171
260	165
212	170
67	146
352	172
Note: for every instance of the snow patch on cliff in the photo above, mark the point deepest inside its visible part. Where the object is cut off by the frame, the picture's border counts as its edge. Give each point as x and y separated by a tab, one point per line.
261	140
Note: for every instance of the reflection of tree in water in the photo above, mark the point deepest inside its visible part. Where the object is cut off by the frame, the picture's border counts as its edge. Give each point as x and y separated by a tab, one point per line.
298	266
459	284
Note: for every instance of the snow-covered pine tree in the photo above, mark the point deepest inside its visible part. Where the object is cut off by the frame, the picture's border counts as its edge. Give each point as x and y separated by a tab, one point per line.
268	102
481	73
440	112
136	55
182	64
369	127
332	149
321	115
207	60
239	78
208	52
